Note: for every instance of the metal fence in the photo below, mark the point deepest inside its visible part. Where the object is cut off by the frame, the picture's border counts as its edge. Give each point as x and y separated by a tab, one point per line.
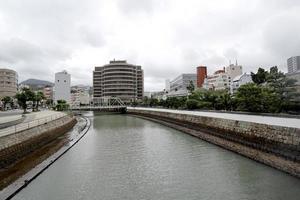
26	125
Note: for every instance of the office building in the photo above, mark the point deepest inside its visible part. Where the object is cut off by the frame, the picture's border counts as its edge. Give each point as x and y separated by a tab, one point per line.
201	75
119	79
178	86
62	87
8	83
220	80
167	85
239	81
293	64
234	70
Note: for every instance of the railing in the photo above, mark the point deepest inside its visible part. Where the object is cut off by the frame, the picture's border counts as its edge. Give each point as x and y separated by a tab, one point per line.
26	125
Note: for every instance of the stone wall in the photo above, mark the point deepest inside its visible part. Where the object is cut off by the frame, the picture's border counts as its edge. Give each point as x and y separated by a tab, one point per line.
276	146
15	146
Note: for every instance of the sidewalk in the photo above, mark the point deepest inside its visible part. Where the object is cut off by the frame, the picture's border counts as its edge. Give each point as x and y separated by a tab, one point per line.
32	120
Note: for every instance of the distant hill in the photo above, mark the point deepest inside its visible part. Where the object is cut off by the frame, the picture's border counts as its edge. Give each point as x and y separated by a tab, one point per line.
37	83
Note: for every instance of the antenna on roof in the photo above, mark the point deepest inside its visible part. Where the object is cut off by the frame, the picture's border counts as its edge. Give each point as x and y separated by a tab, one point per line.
236	63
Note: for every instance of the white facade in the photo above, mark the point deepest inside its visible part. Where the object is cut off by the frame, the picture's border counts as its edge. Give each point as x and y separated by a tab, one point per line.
168	85
218	81
239	81
62	87
293	64
234	70
80	95
178	86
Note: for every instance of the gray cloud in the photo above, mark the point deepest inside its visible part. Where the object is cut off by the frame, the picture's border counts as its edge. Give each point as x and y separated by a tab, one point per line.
166	37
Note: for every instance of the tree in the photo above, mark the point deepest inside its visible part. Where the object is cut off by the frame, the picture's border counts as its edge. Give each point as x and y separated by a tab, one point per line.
62	105
23	96
191	87
260	76
249	97
192	104
39	96
6	100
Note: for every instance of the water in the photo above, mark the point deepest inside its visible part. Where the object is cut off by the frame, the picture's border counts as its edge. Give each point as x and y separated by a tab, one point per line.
124	157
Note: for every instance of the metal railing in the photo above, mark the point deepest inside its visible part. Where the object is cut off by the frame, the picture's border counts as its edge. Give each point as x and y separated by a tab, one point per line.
27	125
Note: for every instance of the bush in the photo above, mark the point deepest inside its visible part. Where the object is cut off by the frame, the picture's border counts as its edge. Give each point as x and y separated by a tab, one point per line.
192	104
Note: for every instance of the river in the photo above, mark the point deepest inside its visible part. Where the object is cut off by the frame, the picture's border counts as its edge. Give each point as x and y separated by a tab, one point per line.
124	157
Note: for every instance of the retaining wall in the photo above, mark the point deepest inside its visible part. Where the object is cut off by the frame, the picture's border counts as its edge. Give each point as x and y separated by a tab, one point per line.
276	146
15	146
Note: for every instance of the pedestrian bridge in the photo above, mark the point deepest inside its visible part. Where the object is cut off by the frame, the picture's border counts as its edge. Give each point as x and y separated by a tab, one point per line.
113	104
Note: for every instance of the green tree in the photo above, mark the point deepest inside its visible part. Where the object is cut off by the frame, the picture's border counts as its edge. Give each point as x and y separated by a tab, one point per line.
6	100
191	87
249	97
192	104
62	105
260	76
38	97
23	96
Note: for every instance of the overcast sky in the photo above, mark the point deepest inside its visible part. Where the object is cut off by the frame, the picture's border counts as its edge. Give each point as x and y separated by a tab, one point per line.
166	37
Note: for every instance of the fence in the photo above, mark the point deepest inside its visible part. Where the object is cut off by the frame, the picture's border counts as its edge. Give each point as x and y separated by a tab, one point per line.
26	125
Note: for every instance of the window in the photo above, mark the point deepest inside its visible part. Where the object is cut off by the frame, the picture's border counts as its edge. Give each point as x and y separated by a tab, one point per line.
65	81
57	80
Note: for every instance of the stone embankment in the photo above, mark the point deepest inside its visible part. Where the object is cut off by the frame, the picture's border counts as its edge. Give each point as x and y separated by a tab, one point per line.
17	145
276	146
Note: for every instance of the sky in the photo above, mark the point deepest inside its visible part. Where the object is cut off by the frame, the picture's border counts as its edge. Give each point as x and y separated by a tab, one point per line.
166	37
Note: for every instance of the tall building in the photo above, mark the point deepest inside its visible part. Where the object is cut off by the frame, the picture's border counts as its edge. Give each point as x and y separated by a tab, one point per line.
167	85
220	80
201	75
234	70
8	83
62	87
293	64
178	86
119	79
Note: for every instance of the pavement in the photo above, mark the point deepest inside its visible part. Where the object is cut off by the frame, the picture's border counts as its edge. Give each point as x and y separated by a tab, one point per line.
276	121
31	120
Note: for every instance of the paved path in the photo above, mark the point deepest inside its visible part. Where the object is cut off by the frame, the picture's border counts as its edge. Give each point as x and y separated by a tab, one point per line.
32	119
277	121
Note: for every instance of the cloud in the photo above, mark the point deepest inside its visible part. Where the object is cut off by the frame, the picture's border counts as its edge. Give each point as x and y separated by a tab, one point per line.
166	37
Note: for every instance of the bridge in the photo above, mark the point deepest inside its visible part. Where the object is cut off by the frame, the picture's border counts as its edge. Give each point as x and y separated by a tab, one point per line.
110	104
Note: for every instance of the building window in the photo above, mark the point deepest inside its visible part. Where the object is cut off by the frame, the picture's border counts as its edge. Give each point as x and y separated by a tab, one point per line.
64	80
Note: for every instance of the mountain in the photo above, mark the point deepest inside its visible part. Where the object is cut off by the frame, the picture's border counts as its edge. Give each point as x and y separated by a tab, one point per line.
37	83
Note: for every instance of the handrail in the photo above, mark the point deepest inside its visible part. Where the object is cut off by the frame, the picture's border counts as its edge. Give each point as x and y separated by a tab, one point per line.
26	125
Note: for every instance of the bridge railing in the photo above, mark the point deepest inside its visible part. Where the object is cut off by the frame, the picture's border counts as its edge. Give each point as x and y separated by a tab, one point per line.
102	103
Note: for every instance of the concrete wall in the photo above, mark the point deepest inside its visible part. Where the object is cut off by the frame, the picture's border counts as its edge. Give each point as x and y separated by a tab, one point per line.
276	146
15	146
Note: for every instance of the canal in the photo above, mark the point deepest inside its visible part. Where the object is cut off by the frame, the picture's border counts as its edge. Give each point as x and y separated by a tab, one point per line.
124	157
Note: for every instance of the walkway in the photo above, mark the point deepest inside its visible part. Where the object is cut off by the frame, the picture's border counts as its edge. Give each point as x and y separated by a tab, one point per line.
32	119
277	121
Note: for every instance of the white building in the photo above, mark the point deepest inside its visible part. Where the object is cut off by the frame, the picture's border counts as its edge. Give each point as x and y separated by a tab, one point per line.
168	85
80	95
222	79
178	86
234	70
293	64
62	87
239	81
218	81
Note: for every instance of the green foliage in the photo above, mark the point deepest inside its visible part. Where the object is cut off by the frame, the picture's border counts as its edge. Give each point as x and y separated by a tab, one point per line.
191	87
260	76
61	105
23	96
192	104
38	96
6	100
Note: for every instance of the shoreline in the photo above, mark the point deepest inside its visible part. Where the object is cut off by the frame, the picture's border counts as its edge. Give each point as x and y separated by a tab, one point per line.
48	154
